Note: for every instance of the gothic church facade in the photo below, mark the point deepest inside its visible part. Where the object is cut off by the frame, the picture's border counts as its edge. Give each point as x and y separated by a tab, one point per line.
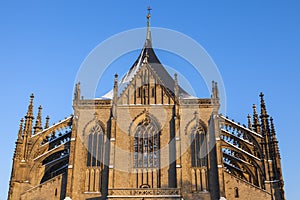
147	139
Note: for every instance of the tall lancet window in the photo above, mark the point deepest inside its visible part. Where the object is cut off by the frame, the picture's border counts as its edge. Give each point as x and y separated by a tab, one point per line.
146	145
198	147
95	146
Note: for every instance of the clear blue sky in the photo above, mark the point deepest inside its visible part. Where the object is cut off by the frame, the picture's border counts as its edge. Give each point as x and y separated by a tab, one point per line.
255	45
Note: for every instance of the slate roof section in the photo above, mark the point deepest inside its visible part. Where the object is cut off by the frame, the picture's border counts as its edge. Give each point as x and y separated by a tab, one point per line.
153	61
148	56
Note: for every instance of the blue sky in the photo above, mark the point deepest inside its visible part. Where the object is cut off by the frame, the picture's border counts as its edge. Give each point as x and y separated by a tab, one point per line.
255	45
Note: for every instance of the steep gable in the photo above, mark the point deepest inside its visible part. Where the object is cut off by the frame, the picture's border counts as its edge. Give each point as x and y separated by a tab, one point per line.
146	87
146	77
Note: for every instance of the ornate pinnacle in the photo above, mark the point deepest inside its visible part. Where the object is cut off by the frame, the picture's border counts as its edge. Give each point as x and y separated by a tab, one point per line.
77	91
215	90
274	139
116	80
115	88
249	122
47	122
265	127
263	106
38	123
30	107
28	119
20	134
255	114
256	123
273	131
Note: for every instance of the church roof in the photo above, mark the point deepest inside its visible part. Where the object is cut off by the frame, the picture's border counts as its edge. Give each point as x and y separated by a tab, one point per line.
148	56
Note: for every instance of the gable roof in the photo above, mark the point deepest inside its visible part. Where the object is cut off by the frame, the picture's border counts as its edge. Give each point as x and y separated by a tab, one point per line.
148	56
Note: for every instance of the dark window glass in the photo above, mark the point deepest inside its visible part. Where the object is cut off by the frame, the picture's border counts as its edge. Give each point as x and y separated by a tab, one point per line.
95	147
198	147
146	146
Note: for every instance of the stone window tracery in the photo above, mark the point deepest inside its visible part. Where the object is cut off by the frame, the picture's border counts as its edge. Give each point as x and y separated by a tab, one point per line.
95	146
198	147
146	145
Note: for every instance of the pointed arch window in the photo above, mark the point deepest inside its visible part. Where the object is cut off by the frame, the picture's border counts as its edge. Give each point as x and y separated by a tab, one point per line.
146	145
198	146
95	146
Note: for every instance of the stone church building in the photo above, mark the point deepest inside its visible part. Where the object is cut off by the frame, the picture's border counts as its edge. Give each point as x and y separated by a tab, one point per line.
148	139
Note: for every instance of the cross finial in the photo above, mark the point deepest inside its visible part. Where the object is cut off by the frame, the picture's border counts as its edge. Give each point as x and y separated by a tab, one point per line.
148	23
149	12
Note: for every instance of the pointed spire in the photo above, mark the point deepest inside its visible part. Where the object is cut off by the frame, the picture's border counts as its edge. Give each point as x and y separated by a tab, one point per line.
250	122
20	133
29	118
256	123
28	128
277	162
30	107
272	127
263	106
148	23
47	122
264	119
274	138
148	43
38	123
